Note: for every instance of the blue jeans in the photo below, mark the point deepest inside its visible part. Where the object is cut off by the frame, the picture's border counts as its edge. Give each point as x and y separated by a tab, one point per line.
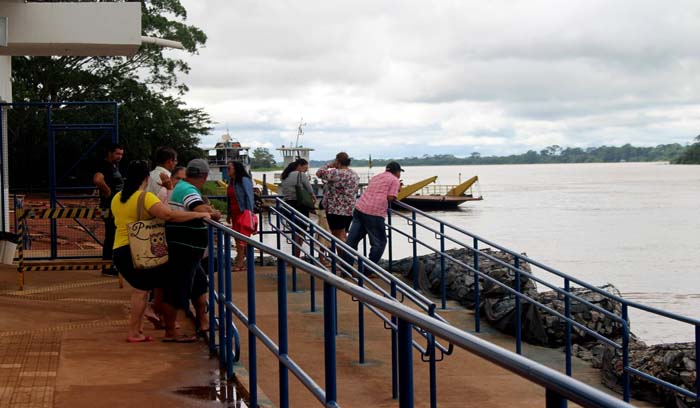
372	225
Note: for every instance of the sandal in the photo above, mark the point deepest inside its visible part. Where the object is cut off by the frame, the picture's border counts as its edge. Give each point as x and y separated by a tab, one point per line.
145	339
183	338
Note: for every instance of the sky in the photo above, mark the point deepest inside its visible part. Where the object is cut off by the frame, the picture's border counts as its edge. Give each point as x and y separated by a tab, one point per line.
407	78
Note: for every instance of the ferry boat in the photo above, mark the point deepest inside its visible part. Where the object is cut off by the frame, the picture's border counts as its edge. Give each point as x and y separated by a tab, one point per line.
225	151
427	196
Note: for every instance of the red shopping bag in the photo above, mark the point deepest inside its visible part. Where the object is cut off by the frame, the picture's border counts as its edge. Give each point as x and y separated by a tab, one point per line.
248	223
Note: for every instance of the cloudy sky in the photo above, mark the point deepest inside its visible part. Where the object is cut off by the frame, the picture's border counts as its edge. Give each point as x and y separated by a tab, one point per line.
408	78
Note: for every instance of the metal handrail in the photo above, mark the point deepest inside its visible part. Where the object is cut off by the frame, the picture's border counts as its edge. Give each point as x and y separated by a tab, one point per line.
558	386
417	297
397	286
530	275
563	275
566	292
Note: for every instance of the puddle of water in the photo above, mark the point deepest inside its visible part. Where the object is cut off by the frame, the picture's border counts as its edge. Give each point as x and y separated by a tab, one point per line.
227	393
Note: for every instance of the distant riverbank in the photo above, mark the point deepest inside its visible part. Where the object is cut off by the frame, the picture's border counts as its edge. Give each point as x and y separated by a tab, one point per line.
672	153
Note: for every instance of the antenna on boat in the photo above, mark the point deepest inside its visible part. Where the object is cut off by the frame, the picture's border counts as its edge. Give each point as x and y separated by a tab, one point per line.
300	131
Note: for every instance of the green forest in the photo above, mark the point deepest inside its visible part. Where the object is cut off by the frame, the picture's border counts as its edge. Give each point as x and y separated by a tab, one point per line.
674	153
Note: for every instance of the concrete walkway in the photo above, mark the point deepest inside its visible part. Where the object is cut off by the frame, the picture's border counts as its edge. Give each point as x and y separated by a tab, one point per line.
464	380
62	343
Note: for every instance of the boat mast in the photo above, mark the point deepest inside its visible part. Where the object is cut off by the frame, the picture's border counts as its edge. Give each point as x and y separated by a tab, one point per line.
300	131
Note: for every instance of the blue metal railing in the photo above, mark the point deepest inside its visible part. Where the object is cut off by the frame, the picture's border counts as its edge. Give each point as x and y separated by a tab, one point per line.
559	387
458	236
285	215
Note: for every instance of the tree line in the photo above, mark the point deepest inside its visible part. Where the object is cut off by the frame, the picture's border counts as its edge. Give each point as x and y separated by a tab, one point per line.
674	153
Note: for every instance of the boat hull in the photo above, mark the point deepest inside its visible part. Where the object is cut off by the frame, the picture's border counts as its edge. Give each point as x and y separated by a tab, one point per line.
430	202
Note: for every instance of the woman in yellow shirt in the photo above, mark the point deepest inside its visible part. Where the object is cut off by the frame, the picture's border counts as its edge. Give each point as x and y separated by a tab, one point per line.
125	210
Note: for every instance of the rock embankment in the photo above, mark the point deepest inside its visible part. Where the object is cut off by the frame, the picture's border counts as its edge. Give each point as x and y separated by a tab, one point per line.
674	363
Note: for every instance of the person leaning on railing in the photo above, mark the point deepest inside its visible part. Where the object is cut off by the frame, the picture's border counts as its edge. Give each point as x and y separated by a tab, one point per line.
125	210
340	189
240	198
187	242
370	210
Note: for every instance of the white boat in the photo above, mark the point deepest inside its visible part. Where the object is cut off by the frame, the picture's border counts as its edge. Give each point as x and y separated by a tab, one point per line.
293	152
225	151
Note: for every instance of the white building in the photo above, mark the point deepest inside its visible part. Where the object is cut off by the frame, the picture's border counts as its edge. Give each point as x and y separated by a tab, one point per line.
78	29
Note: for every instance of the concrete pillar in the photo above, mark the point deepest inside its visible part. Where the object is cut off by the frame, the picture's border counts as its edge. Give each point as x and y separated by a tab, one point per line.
5	96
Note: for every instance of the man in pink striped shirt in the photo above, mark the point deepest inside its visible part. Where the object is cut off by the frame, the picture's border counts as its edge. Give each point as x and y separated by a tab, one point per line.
370	210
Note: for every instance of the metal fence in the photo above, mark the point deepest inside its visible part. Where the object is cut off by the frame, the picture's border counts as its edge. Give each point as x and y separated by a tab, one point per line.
403	321
423	230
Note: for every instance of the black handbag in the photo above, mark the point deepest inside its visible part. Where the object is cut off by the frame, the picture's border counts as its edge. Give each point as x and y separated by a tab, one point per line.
304	198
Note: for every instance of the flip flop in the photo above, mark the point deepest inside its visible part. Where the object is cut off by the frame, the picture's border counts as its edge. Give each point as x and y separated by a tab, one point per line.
143	340
183	338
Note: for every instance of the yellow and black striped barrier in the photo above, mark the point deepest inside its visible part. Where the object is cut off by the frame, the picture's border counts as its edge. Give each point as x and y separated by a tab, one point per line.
59	264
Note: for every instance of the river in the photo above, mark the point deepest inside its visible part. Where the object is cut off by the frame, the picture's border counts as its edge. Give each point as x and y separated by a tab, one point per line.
635	225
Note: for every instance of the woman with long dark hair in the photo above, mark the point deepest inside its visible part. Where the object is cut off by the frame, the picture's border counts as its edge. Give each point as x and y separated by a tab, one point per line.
125	210
293	175
240	198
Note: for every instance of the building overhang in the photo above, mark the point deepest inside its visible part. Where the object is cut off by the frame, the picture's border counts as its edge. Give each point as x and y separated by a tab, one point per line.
80	29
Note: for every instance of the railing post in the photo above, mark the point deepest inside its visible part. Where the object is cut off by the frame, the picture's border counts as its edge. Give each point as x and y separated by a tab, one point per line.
294	248
477	300
405	364
212	288
329	325
261	230
433	363
252	352
554	399
697	366
389	241
228	300
312	284
278	224
443	285
334	269
221	321
282	329
518	317
394	351
361	314
567	313
625	354
415	249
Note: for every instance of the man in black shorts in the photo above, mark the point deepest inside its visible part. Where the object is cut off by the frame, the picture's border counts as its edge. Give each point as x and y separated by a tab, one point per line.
109	181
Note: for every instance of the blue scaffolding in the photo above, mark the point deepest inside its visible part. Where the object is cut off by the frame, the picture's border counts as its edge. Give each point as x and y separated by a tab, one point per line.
108	130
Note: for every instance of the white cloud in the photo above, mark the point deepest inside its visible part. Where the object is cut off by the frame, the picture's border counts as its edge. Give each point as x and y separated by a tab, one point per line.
388	78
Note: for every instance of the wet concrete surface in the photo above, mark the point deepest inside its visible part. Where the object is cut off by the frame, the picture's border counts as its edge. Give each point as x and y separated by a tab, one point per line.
64	342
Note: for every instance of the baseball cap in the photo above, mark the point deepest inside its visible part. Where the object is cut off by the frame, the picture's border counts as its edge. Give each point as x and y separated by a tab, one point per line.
197	167
393	167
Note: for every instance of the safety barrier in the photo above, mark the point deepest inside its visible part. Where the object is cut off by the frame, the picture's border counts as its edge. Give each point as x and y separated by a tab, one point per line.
323	243
559	387
57	264
444	232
